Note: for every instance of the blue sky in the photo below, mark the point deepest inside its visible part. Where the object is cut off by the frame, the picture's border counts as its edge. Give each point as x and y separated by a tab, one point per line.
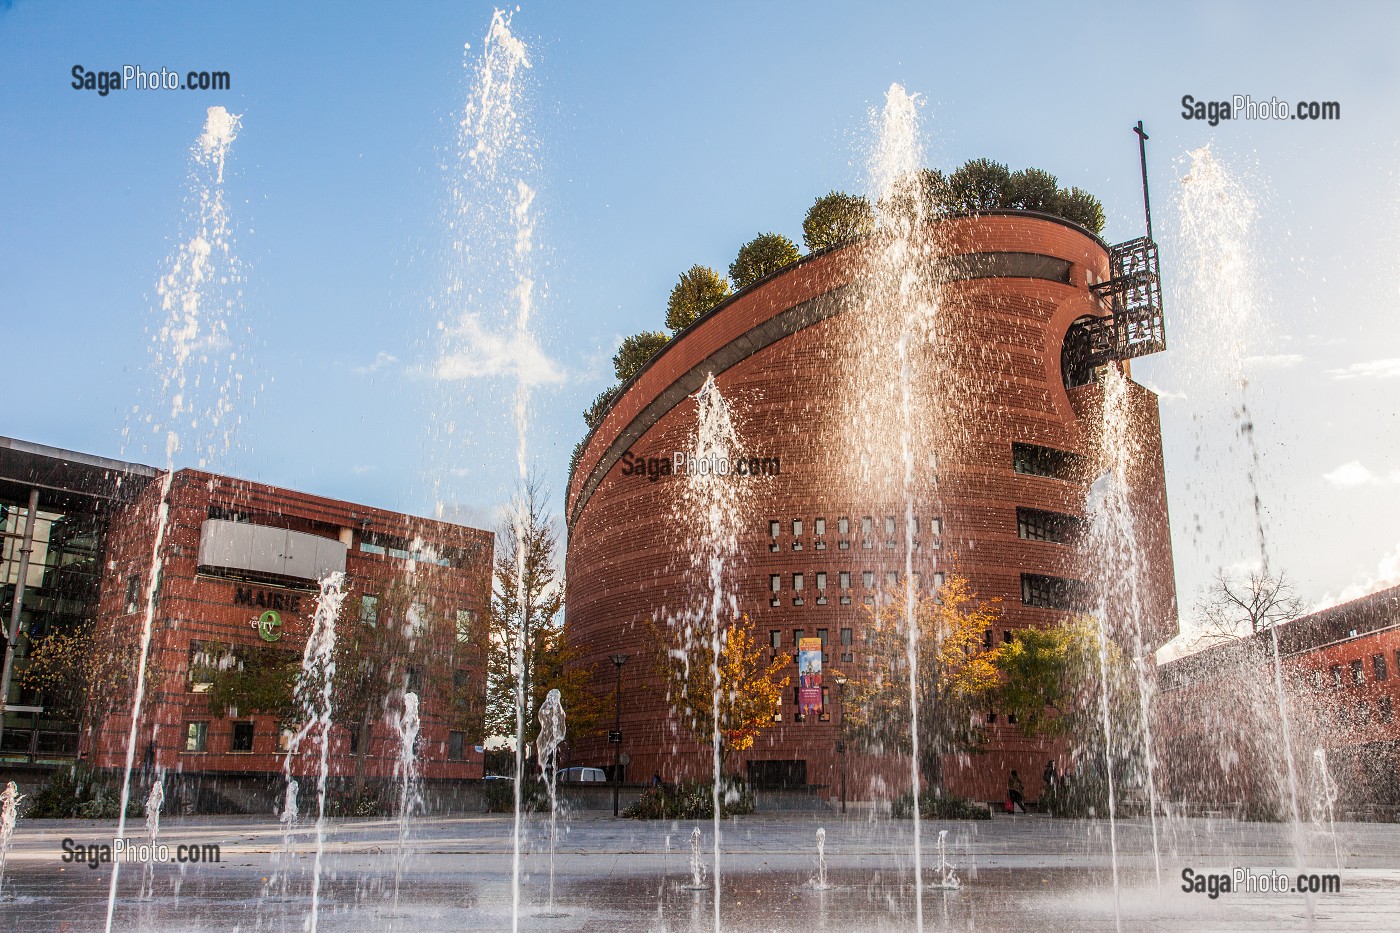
668	135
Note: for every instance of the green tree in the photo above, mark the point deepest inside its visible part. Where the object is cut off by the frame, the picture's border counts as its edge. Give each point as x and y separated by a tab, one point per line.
956	676
593	414
836	218
761	256
1081	207
636	351
979	185
1033	189
529	653
249	679
699	290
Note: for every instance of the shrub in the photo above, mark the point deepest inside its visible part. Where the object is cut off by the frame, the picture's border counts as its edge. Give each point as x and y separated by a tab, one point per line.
939	807
500	797
1033	189
636	351
593	414
691	801
1081	207
78	791
979	185
763	255
836	218
699	290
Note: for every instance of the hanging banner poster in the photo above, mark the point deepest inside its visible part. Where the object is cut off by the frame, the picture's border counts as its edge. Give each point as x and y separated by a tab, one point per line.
809	676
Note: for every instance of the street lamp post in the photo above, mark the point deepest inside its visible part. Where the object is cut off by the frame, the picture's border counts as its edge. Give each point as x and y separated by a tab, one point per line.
841	733
616	737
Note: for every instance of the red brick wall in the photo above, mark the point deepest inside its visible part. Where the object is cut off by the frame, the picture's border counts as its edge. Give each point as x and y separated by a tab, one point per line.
629	548
197	607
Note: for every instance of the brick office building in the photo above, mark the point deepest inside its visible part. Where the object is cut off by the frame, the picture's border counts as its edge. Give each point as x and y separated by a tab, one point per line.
817	549
240	563
1218	723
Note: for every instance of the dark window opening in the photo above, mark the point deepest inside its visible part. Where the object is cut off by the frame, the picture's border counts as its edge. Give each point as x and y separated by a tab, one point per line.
1033	460
242	737
1051	592
1038	525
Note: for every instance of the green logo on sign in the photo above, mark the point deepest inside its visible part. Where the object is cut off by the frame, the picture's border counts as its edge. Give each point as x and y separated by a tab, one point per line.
267	625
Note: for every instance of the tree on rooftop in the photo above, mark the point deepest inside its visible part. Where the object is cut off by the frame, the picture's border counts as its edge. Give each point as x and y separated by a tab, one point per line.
836	218
636	351
593	414
1234	606
1033	189
761	256
1081	207
979	185
699	290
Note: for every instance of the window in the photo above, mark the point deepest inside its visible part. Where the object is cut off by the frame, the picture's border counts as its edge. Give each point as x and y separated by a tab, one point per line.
847	636
991	717
413	680
843	526
798	584
196	736
205	662
987	638
1387	708
938	579
890	527
936	526
847	657
464	625
867	577
284	740
867	528
891	579
775	528
797	635
242	737
1358	673
775	582
914	525
461	681
821	633
775	639
819	527
1038	525
1378	669
825	715
1006	637
133	593
456	746
1363	713
821	580
1336	672
797	527
1044	461
1050	592
369	610
844	579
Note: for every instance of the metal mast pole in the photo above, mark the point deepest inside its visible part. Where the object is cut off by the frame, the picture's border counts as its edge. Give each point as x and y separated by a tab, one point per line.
1142	156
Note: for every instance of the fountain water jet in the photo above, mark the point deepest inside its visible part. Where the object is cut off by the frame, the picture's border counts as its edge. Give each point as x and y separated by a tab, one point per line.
819	882
406	769
154	800
552	732
9	801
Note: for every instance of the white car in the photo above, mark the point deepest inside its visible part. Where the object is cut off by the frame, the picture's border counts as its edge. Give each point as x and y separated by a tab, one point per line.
580	775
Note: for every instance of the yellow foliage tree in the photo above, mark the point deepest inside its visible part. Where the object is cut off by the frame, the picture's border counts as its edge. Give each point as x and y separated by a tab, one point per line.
955	675
750	687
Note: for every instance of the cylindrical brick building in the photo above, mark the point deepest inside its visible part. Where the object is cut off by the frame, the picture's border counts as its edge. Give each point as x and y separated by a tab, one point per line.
816	549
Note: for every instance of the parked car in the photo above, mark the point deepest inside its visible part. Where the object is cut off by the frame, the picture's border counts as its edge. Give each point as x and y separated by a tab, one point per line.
580	775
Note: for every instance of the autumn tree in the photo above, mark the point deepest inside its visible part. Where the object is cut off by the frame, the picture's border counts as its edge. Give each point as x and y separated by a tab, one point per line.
749	690
635	352
699	291
529	655
954	673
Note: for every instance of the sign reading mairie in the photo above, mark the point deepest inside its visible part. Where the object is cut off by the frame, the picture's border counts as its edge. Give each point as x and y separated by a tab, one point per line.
258	598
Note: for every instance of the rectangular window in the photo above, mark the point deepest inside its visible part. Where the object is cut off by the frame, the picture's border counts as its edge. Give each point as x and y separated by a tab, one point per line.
1006	637
825	715
847	636
843	526
798	581
1378	668
991	717
987	638
890	527
464	626
133	593
1039	525
456	746
844	579
1050	592
914	524
242	737
1387	709
797	635
820	527
821	633
1033	460
413	680
369	610
938	579
867	577
775	583
1336	672
774	528
461	681
775	639
867	526
821	579
196	736
847	657
797	527
936	526
1358	673
891	579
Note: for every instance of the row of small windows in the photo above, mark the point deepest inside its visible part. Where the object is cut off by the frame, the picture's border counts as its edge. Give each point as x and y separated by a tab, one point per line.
843	581
1356	672
843	530
241	740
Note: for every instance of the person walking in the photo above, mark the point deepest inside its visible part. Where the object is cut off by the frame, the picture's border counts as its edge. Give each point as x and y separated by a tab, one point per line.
1016	792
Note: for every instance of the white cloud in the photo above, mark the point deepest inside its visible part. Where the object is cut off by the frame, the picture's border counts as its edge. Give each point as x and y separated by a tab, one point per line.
382	360
1273	361
1371	369
1162	394
1354	473
485	355
1387	574
362	470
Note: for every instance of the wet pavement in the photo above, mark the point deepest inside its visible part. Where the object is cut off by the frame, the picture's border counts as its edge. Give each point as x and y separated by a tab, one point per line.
620	876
